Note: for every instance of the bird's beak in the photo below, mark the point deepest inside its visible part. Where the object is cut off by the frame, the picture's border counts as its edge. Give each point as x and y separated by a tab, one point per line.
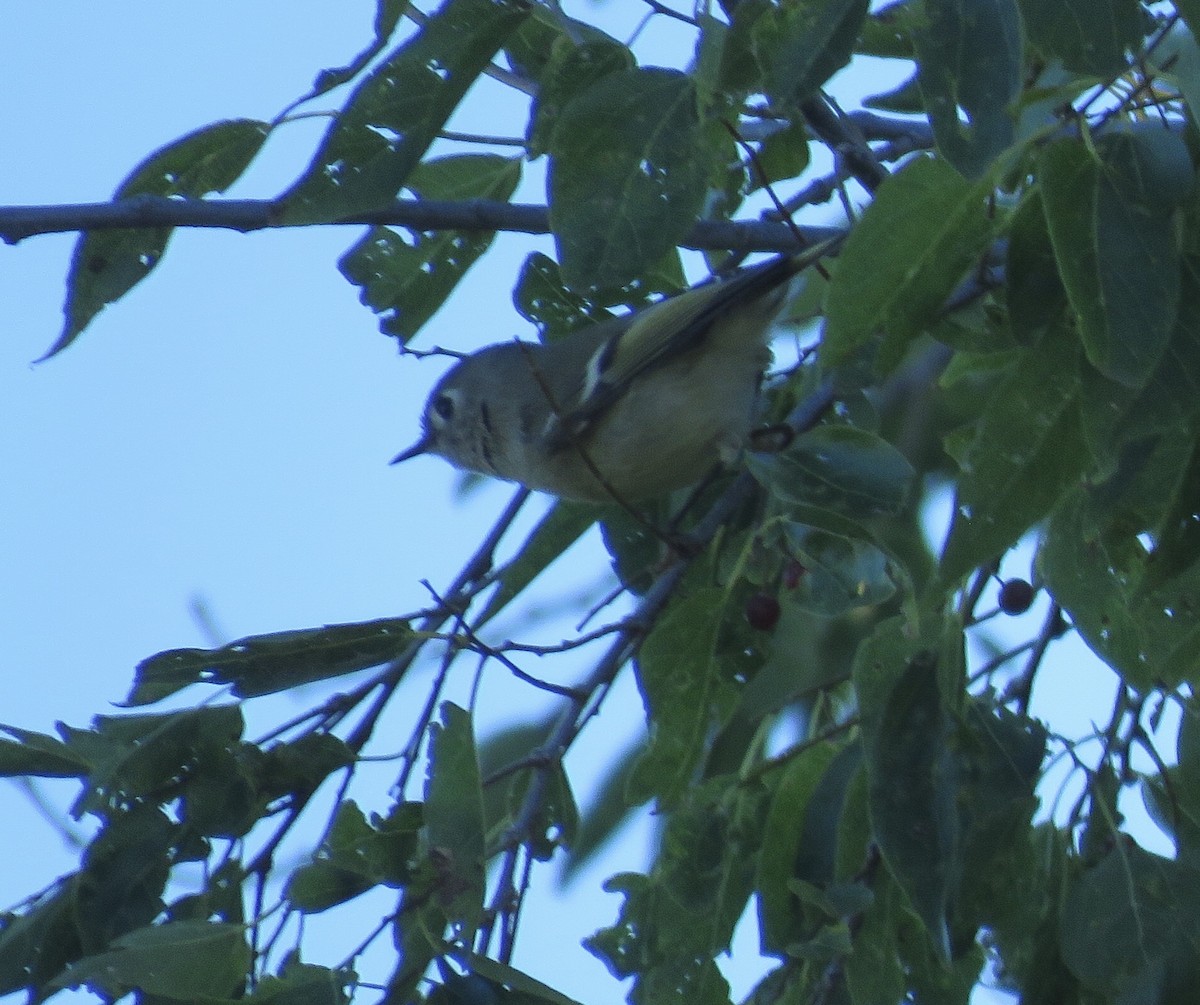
416	450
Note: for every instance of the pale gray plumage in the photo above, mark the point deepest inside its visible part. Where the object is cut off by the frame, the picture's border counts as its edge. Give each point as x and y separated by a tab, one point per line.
633	407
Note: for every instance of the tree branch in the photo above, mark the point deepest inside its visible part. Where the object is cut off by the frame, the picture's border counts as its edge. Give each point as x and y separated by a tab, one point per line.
244	215
874	126
845	138
584	704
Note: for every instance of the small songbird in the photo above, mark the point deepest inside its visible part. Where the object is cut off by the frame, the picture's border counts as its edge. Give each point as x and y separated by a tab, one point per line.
629	408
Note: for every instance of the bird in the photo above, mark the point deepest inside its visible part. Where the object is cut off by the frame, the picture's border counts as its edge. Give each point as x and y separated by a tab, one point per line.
626	409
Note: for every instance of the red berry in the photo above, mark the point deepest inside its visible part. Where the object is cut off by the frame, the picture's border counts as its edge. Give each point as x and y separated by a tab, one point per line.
1016	596
762	611
793	572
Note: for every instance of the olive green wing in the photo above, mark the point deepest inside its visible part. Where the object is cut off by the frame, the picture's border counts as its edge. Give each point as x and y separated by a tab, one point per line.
661	332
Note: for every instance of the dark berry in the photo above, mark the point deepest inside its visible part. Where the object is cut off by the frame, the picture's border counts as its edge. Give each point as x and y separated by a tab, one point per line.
762	611
1016	596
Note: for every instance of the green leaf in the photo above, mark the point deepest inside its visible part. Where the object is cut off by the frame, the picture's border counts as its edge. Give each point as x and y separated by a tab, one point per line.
512	744
1187	749
183	961
841	572
107	264
703	873
930	976
542	297
1177	548
1003	882
406	280
517	981
389	849
840	468
969	71
124	874
1027	451
903	259
648	942
219	899
454	812
854	842
394	115
801	45
706	863
302	984
1182	799
910	770
1130	926
39	756
888	31
296	768
141	755
570	71
635	549
1031	951
334	877
782	155
466	176
781	839
1110	220
1151	637
468	989
543	40
563	525
708	59
419	937
36	945
1089	36
265	664
738	70
1115	415
1034	292
971	378
627	175
1001	754
679	681
874	970
556	822
203	162
844	564
356	856
220	797
817	860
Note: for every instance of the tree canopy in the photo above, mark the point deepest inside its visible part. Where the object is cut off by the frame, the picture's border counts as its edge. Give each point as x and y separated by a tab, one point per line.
839	741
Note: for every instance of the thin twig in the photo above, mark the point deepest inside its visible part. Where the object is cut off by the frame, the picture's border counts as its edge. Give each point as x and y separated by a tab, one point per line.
1020	689
566	644
579	709
665	11
465	585
476	644
971	598
480	138
841	134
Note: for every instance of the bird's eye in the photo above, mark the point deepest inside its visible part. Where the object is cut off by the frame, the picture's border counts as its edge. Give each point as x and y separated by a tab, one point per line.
443	407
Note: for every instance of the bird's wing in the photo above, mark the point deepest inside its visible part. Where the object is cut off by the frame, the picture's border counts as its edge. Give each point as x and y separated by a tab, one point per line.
639	344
